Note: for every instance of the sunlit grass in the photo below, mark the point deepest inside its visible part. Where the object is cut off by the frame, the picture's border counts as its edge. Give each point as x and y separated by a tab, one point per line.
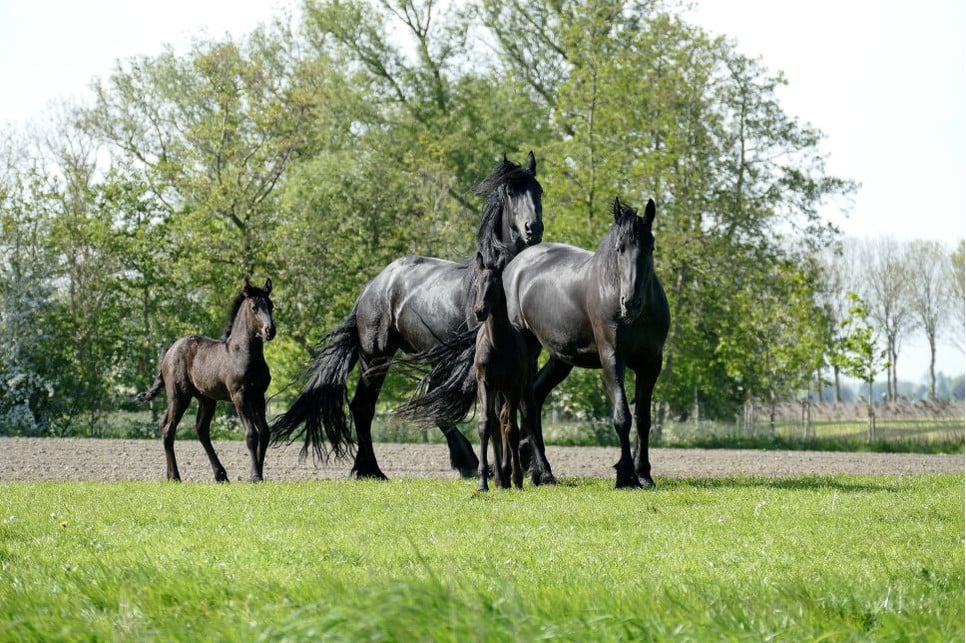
846	557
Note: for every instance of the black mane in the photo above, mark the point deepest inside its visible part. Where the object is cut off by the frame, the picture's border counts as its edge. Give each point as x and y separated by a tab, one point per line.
627	226
506	177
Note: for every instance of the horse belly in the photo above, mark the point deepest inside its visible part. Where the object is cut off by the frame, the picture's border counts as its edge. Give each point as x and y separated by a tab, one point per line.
558	322
206	372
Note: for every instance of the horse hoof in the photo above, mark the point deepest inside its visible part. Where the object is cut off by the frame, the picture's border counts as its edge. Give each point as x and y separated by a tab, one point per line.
371	475
539	479
629	483
647	482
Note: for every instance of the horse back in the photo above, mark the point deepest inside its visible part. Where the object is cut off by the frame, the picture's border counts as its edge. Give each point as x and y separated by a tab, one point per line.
207	367
415	303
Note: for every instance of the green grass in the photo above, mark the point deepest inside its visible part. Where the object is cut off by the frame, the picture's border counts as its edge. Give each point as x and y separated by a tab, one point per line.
836	558
853	444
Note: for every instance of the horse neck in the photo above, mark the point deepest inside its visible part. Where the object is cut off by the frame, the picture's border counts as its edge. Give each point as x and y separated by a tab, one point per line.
498	329
243	337
602	268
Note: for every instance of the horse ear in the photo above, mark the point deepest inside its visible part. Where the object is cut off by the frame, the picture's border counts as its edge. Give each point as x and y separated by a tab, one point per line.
532	163
268	286
649	212
617	209
479	261
246	285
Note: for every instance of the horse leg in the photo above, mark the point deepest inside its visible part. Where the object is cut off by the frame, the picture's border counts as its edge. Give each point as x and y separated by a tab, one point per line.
511	440
461	456
206	411
500	450
613	376
264	432
177	405
363	407
243	406
485	428
644	387
532	451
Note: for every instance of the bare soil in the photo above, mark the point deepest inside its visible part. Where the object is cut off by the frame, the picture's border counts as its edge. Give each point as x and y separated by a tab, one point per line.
77	459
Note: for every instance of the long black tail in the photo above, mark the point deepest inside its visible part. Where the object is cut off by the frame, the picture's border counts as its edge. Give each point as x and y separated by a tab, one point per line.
152	392
320	407
447	392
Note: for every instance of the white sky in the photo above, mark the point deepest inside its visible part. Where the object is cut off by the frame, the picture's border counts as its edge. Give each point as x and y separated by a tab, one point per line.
886	82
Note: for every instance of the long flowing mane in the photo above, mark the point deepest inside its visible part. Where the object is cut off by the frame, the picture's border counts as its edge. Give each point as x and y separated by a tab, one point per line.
506	177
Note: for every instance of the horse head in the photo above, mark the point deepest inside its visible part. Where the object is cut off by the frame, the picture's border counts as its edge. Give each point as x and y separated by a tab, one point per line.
633	245
523	209
513	214
488	281
258	307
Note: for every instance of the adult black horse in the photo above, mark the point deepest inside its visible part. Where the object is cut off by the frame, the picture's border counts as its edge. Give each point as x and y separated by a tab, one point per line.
603	310
413	305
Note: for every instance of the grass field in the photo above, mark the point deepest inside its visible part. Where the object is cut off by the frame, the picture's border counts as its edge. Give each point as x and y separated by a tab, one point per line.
837	558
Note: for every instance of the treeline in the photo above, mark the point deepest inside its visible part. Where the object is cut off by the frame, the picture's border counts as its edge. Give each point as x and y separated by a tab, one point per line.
320	147
877	293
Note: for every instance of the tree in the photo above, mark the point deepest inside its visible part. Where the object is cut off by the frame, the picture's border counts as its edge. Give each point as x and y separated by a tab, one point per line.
930	296
886	290
839	277
956	276
28	360
777	341
859	356
643	104
213	132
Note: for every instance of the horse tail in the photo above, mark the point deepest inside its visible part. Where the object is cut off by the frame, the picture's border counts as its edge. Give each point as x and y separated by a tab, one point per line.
152	392
320	407
447	392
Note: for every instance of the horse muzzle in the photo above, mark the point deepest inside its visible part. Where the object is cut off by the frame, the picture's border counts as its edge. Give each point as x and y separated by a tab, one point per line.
533	233
631	310
268	334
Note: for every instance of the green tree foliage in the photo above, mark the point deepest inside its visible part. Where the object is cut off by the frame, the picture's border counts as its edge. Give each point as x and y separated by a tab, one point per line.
317	153
858	354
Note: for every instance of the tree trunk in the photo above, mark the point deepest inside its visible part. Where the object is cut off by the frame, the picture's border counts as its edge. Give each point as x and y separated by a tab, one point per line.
871	435
932	368
838	389
771	414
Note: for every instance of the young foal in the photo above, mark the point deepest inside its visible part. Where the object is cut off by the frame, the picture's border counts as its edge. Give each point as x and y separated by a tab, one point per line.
501	366
231	369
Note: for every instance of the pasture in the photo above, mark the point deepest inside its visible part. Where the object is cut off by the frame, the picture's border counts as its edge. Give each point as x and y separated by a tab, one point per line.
837	557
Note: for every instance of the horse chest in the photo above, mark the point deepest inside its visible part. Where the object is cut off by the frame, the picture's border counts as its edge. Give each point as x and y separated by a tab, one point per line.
502	367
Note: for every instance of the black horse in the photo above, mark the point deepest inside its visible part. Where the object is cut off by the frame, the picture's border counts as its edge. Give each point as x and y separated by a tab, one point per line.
231	369
603	310
413	305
